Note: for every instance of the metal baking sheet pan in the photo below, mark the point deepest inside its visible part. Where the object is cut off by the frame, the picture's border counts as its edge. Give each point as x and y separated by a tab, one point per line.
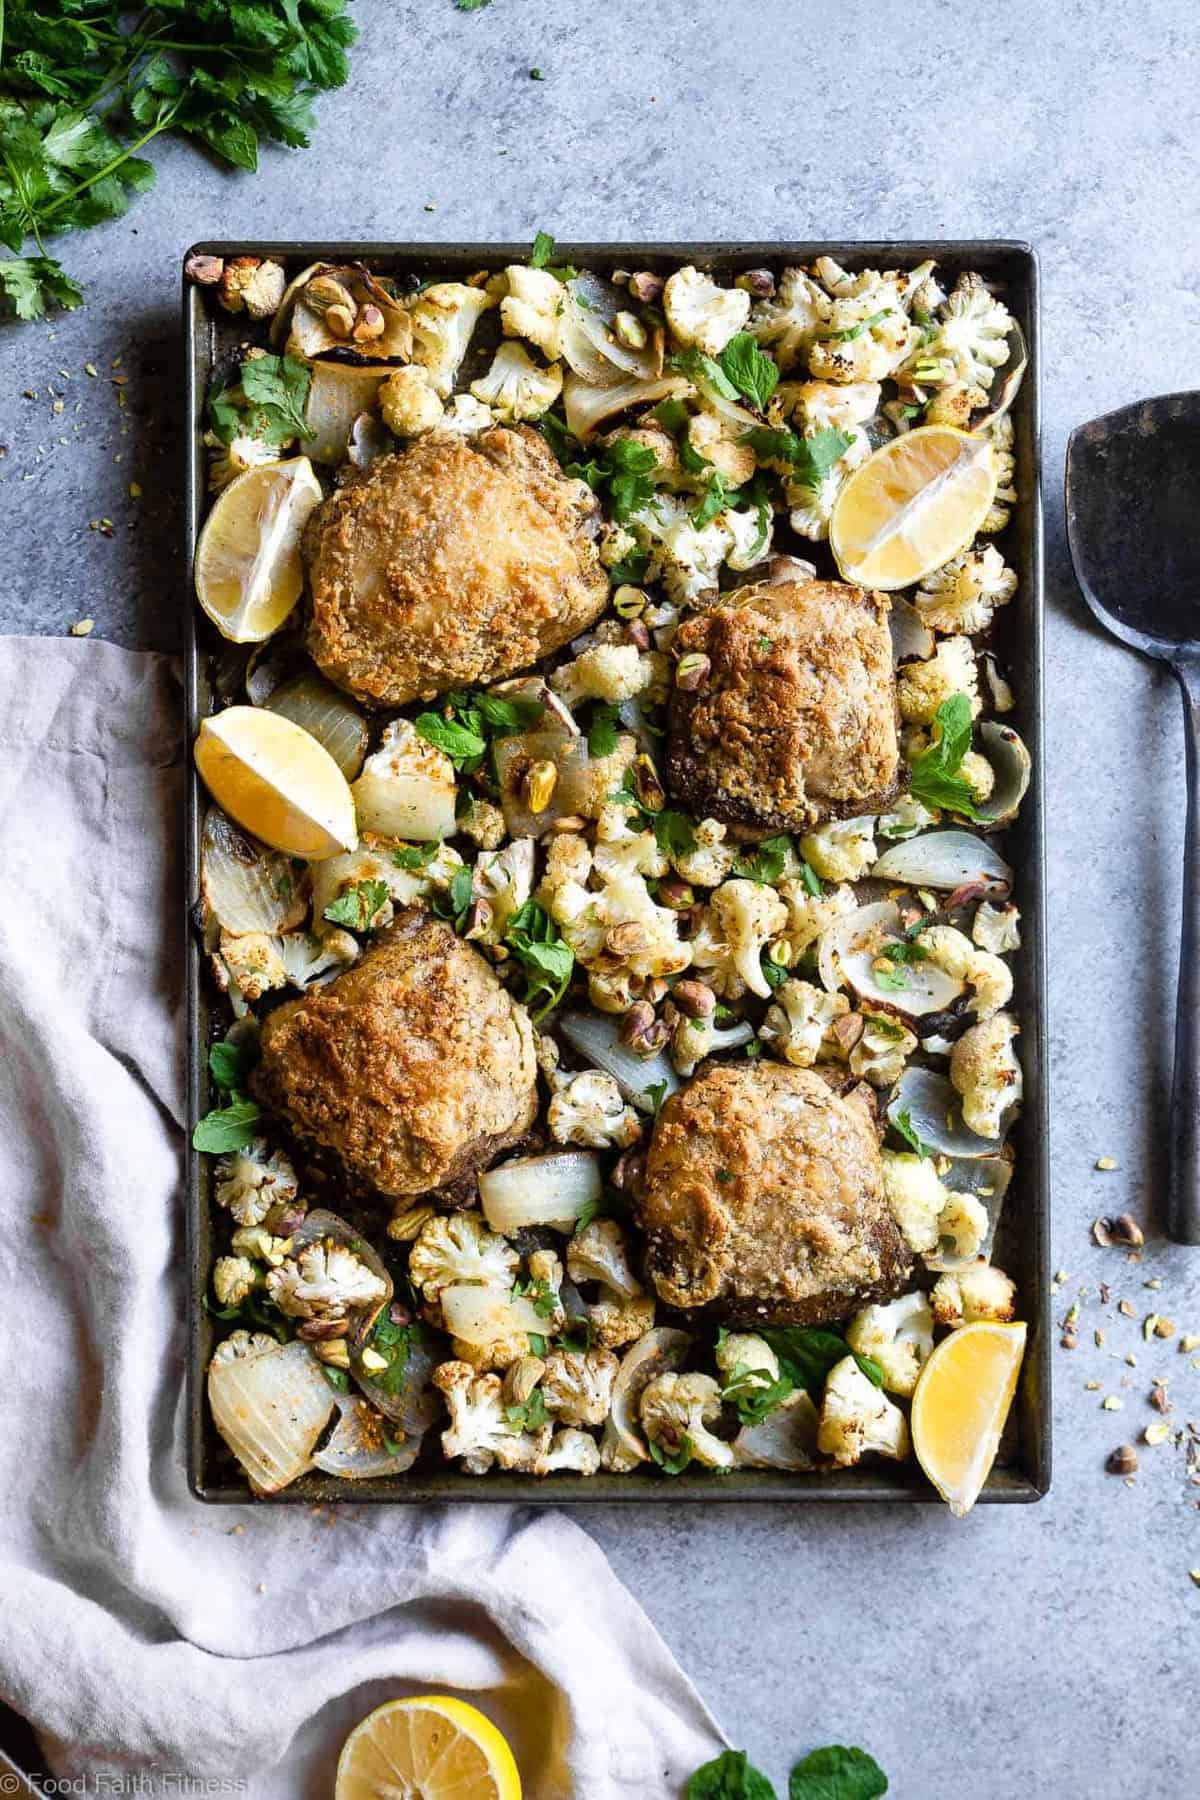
1022	1472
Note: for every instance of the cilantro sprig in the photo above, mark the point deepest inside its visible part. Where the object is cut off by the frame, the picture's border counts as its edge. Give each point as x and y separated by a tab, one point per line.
234	1124
468	722
87	87
266	402
674	832
809	459
533	939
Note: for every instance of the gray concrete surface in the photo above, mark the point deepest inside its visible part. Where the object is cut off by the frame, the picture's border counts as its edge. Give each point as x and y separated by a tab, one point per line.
1045	1651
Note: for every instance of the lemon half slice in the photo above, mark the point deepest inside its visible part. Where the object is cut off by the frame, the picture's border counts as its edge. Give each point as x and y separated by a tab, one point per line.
915	503
277	782
431	1746
959	1406
248	570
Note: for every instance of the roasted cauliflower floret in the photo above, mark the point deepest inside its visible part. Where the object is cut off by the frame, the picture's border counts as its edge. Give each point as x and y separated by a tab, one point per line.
751	536
746	916
809	914
588	1109
897	1336
857	1418
252	963
483	823
841	849
922	687
799	1020
713	439
601	1252
882	1050
963	1225
788	322
309	958
616	1321
972	333
610	672
577	1385
746	1360
234	1278
325	1281
516	388
701	313
504	879
824	405
252	285
409	403
676	1411
253	1180
459	1247
985	1071
686	557
916	1196
479	1431
694	1039
1005	497
964	593
620	850
570	1452
444	318
711	859
905	819
862	342
533	308
953	952
230	460
465	415
997	928
977	1293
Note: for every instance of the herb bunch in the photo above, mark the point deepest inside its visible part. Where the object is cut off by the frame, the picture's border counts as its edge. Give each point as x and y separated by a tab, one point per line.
87	85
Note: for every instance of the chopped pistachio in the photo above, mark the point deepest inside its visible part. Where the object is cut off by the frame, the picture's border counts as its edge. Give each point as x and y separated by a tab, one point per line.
1157	1433
1112	1403
1106	1162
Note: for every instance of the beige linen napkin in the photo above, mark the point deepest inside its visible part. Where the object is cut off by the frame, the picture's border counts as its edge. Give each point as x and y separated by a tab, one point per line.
140	1631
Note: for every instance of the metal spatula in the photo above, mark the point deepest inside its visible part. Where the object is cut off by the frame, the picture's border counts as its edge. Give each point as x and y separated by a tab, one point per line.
1133	524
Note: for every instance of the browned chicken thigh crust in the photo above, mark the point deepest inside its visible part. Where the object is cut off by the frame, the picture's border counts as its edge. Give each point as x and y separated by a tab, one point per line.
414	1068
796	721
456	561
763	1198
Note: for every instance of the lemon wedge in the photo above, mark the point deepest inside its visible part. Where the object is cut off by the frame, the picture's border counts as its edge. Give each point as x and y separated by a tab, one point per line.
248	570
431	1746
915	503
959	1406
277	782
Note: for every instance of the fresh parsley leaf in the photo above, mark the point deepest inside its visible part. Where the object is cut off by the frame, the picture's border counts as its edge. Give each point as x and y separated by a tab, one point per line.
668	1463
257	1312
230	1064
227	1128
674	833
357	906
729	1776
809	458
395	1342
547	960
577	1334
603	731
565	445
750	370
266	402
504	716
656	1094
902	1121
459	742
806	1354
774	974
704	371
724	1176
936	780
715	498
30	285
672	415
455	904
620	472
415	857
630	567
767	861
837	1773
530	1415
538	1290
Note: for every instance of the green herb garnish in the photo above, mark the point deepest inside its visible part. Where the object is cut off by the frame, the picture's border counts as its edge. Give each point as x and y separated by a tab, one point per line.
357	906
902	1121
936	780
603	730
547	960
767	861
809	458
750	370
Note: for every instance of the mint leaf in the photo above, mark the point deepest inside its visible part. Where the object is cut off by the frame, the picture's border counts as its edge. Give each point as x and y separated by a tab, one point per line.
729	1777
358	905
837	1773
754	1397
227	1128
455	904
458	741
935	773
806	1354
704	371
750	370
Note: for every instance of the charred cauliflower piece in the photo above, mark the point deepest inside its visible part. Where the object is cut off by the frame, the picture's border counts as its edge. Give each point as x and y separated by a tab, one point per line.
857	1419
796	719
454	562
763	1198
414	1068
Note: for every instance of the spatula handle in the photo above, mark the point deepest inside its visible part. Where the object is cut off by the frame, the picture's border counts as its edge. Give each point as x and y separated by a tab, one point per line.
1183	1188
